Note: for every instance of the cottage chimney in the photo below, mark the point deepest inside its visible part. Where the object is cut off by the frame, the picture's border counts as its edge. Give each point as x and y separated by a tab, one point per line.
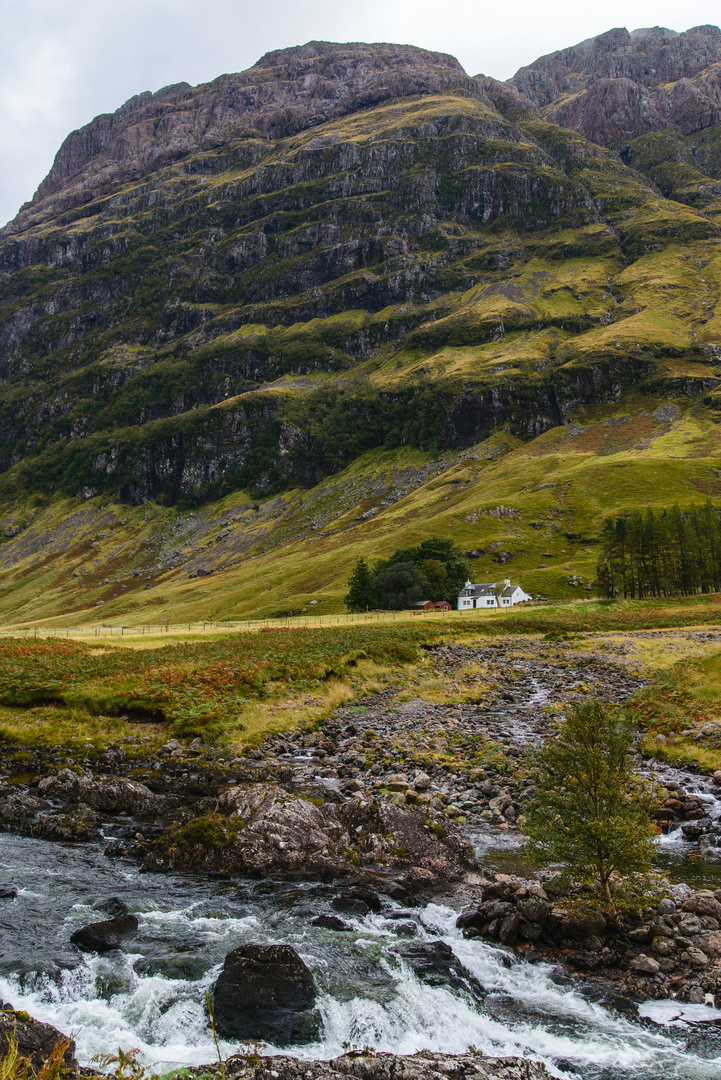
508	582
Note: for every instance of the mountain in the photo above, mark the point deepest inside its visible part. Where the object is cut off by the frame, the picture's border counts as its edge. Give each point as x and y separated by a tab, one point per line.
352	296
653	95
619	85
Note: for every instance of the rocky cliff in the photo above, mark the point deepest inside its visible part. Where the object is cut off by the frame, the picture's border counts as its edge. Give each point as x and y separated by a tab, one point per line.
285	92
185	299
619	85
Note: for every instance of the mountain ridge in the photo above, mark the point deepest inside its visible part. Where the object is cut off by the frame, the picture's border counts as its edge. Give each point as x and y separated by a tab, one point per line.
259	318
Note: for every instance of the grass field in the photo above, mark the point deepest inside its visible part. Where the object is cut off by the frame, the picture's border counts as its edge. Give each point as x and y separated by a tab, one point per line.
538	505
681	713
232	688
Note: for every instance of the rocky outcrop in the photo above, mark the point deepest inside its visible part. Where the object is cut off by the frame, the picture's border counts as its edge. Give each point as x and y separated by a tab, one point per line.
620	85
35	1040
286	92
262	829
116	796
70	805
266	992
671	948
368	1065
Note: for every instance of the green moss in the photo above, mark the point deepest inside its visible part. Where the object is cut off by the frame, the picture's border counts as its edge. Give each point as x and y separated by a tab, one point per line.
211	831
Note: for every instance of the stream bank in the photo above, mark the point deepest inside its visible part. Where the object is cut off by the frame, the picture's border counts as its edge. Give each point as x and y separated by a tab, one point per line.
452	770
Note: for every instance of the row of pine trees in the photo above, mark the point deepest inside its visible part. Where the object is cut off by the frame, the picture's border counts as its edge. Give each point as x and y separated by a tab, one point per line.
666	553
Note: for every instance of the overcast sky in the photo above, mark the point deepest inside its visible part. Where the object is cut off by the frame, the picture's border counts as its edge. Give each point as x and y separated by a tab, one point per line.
64	61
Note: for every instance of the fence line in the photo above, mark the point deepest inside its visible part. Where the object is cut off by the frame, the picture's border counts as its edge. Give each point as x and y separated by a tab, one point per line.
109	630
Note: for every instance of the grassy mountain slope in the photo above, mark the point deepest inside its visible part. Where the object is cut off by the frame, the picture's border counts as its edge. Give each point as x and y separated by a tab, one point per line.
277	353
539	502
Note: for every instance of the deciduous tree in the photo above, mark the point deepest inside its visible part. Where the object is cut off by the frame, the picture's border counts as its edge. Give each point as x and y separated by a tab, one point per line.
590	808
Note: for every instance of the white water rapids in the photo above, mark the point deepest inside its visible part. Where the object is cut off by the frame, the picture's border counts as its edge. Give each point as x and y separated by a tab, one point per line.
152	996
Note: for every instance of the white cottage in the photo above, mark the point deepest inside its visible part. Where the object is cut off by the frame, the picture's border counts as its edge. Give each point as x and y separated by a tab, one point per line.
491	594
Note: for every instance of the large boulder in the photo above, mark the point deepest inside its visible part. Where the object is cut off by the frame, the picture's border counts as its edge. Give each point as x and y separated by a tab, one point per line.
102	937
278	831
261	829
424	841
18	807
266	992
119	795
35	1040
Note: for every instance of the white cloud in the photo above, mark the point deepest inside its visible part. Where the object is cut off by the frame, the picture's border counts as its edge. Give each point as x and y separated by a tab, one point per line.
64	61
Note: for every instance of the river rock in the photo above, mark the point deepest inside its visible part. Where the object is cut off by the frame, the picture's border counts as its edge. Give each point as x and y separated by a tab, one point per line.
66	784
34	1039
663	946
370	900
112	906
330	922
116	796
435	963
266	992
644	965
275	832
712	944
20	807
352	905
8	892
590	924
104	936
123	796
696	958
703	903
78	823
360	1066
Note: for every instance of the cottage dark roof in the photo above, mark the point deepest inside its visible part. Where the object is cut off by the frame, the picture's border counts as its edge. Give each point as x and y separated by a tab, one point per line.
484	589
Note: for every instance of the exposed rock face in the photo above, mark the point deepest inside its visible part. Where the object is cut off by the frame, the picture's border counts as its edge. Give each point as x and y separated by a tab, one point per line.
619	85
285	92
200	252
423	1066
266	992
271	831
34	1039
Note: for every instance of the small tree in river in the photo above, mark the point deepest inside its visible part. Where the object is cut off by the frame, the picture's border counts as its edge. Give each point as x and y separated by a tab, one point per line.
362	593
590	809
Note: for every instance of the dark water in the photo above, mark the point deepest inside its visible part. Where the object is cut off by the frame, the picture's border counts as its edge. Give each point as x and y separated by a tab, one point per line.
151	996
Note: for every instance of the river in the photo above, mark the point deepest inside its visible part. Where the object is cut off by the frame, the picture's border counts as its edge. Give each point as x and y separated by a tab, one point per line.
152	995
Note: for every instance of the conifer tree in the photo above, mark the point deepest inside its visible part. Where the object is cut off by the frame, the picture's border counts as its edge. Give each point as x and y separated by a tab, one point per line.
362	594
661	554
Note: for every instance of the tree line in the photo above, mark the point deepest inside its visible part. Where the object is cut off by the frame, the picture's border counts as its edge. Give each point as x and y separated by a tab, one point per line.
668	553
434	570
